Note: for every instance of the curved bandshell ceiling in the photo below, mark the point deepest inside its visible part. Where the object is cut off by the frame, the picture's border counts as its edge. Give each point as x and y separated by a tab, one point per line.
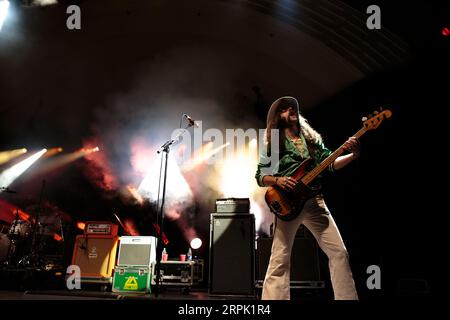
309	49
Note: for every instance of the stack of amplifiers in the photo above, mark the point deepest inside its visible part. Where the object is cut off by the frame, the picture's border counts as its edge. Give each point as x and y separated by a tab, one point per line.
95	252
233	205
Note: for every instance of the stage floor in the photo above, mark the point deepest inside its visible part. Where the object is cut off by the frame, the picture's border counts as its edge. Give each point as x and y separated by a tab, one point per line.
172	294
94	295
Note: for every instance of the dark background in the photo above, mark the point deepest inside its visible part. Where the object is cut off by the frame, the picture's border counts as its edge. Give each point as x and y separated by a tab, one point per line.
134	67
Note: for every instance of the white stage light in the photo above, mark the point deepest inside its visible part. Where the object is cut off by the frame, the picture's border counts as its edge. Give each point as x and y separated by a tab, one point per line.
196	243
4	5
9	175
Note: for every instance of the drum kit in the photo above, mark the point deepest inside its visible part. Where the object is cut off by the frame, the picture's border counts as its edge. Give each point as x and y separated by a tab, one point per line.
13	240
26	243
26	240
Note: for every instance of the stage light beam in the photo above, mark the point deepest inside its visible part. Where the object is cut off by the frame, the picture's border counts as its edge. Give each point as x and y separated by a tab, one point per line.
6	156
178	190
58	161
4	5
135	194
237	177
9	175
43	3
53	151
203	156
88	151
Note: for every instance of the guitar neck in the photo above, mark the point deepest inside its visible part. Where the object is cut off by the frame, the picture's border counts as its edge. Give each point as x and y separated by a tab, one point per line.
329	160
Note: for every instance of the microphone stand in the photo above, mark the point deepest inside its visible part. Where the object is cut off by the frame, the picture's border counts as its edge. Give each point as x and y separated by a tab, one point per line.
160	215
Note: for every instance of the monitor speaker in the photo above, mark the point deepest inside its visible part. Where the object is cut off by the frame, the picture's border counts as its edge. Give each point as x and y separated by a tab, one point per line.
231	256
137	251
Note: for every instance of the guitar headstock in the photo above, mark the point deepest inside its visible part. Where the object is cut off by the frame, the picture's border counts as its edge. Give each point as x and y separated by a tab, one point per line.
373	120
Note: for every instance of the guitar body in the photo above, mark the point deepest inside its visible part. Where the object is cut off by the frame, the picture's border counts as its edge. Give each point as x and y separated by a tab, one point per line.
288	205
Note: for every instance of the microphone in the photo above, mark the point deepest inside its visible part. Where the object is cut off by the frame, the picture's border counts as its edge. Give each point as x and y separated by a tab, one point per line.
191	121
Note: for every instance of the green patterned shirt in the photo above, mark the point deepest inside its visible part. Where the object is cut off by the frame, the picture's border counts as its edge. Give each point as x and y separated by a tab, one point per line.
289	159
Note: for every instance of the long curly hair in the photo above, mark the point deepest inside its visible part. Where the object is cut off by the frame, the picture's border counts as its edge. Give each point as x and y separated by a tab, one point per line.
312	137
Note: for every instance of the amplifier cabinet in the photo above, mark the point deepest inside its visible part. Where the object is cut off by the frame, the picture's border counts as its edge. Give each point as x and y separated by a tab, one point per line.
232	255
101	228
96	257
233	205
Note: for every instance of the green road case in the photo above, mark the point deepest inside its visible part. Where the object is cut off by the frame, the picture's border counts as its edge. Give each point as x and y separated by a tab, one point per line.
132	279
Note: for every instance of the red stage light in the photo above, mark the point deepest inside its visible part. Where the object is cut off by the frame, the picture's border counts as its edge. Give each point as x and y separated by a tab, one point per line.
81	225
446	32
57	237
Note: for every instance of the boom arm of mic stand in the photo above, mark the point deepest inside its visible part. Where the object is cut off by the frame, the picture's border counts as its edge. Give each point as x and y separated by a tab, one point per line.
168	143
166	146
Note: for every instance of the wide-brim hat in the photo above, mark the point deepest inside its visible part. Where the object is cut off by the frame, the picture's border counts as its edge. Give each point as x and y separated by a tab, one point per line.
280	103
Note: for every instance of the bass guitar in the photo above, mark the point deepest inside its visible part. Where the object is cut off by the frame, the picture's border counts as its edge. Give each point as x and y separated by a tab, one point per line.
287	205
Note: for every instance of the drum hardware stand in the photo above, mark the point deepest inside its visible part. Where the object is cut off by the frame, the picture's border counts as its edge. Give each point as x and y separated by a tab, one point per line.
61	226
62	235
11	239
33	257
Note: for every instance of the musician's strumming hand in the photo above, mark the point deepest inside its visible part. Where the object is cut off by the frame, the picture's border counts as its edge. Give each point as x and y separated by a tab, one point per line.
352	145
286	183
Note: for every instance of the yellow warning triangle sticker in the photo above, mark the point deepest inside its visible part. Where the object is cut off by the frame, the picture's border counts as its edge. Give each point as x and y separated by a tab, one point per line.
131	284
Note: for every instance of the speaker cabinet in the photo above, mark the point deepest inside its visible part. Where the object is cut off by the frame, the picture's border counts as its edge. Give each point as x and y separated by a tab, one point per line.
232	254
305	268
137	251
96	256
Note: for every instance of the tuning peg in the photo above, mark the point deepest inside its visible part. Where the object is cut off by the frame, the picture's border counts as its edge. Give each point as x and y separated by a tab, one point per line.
364	119
375	113
381	109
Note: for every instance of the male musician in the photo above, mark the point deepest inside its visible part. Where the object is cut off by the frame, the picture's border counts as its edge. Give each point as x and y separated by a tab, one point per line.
298	141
